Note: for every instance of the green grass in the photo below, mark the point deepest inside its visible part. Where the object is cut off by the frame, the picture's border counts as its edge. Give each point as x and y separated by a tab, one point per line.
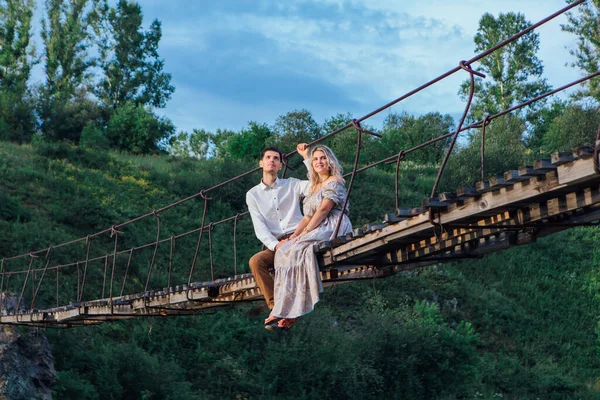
519	324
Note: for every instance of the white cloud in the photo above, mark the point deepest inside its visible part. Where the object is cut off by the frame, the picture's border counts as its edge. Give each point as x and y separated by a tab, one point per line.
375	59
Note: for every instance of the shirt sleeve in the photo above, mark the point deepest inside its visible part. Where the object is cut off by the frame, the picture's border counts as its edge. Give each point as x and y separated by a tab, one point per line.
300	187
305	185
261	230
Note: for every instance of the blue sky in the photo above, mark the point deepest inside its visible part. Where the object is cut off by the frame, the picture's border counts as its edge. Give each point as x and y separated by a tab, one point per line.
233	61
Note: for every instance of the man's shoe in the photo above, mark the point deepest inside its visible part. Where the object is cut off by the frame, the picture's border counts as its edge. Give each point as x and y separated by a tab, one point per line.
273	327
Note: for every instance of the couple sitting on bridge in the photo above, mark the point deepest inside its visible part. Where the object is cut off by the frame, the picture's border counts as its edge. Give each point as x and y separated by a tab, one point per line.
274	206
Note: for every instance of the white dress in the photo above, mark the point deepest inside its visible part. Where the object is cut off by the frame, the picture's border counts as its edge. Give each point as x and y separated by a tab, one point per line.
297	278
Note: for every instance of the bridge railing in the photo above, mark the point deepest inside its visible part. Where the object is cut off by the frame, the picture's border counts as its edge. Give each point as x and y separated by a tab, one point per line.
106	270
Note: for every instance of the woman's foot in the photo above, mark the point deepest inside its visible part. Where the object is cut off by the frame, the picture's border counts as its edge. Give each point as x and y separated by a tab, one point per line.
286	323
280	324
272	320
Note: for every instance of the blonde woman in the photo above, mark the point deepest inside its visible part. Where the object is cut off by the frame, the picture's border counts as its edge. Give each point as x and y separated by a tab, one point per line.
297	277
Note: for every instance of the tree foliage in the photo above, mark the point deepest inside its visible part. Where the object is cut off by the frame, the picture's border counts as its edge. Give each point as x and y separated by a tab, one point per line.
135	128
17	57
66	42
504	150
584	22
404	131
248	144
577	126
195	144
296	127
66	39
131	66
513	72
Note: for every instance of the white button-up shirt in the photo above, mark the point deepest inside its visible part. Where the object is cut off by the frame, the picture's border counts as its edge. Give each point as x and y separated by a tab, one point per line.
275	209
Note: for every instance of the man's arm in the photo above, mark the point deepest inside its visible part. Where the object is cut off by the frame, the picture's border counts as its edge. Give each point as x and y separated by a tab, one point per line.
261	230
301	186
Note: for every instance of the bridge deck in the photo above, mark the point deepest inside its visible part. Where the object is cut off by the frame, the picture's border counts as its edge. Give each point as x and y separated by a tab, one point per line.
506	211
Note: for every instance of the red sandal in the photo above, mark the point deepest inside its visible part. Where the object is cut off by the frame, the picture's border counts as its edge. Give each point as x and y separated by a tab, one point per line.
286	323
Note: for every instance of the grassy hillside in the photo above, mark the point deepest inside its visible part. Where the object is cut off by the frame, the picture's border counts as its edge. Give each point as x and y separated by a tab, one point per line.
523	323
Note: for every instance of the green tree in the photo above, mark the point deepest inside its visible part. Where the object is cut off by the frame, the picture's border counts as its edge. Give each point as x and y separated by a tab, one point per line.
219	142
504	150
404	131
344	143
542	122
135	128
585	23
66	38
195	145
295	127
577	126
513	72
129	59
248	144
17	57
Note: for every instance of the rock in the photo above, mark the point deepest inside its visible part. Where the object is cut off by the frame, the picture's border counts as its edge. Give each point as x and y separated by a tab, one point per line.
26	364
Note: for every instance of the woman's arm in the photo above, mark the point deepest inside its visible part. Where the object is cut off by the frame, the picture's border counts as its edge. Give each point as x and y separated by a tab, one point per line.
318	216
303	222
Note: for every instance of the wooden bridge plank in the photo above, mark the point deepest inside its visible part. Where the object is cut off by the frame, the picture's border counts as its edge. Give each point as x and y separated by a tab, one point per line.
575	172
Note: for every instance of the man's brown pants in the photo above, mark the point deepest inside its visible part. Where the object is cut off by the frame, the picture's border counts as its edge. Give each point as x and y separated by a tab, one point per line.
261	264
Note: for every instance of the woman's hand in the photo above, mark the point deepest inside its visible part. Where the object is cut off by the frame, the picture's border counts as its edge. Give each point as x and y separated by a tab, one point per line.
302	149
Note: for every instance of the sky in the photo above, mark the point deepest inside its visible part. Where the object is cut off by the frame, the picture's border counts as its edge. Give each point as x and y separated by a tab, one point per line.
235	61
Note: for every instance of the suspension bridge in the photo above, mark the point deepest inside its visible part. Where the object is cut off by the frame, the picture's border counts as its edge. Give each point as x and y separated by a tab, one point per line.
494	214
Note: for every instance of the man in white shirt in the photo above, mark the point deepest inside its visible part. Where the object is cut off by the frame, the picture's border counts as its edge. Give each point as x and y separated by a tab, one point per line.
274	206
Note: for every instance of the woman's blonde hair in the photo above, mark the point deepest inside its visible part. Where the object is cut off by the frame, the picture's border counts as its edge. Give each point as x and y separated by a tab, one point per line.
335	169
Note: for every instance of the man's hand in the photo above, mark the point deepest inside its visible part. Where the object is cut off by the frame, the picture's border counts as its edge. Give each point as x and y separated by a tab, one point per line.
281	242
302	149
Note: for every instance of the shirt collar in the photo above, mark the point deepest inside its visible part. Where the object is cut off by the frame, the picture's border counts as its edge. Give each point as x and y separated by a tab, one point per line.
273	186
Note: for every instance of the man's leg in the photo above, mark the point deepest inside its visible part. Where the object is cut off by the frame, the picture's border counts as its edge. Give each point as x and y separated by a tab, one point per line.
260	265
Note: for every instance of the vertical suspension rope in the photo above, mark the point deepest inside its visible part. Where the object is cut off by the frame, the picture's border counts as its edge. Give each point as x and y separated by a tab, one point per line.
596	150
401	157
7	281
235	220
210	251
359	131
78	279
114	262
41	278
2	296
285	165
170	262
199	237
126	271
484	124
472	74
88	242
26	280
155	250
105	270
57	282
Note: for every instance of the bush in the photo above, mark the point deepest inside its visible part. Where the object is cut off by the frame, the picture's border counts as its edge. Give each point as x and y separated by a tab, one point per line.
136	129
577	126
13	210
65	120
504	150
17	119
93	138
